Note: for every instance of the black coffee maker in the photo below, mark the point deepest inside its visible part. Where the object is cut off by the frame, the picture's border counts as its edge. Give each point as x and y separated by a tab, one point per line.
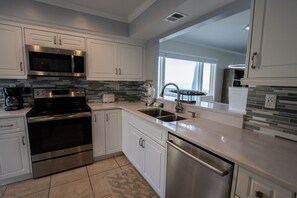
13	98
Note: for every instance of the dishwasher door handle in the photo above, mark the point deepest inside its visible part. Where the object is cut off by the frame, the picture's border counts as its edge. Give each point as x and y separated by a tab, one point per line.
216	170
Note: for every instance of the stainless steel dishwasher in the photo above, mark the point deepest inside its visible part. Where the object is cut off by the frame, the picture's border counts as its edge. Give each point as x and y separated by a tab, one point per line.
194	172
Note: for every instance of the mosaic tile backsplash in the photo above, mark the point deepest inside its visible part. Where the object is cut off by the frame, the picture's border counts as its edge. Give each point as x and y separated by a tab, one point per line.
279	122
123	90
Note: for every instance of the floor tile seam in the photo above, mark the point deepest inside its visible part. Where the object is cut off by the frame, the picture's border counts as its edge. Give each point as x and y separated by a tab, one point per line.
69	182
33	193
3	196
6	186
91	186
117	162
104	171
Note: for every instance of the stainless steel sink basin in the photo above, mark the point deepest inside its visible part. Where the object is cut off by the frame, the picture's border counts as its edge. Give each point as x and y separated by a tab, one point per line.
160	114
170	118
155	112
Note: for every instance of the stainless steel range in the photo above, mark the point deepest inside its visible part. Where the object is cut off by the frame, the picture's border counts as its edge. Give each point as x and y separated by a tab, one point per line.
60	130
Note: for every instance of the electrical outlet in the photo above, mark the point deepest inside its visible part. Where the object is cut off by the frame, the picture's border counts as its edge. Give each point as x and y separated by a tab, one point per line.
270	101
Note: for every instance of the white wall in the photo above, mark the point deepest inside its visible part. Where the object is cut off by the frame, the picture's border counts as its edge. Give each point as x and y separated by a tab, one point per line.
42	14
223	58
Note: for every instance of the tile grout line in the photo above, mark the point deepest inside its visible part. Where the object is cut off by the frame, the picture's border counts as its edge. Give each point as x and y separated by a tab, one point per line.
90	182
49	188
4	191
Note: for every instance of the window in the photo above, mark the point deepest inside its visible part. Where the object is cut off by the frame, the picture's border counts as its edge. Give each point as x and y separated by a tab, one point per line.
189	73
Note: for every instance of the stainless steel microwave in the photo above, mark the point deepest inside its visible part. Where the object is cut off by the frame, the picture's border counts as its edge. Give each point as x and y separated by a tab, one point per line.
45	61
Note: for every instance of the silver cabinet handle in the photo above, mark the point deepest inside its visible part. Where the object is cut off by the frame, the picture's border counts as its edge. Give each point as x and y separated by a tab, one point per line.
106	117
218	171
55	40
60	41
142	143
120	71
95	119
253	60
21	66
258	194
23	140
116	71
8	125
139	141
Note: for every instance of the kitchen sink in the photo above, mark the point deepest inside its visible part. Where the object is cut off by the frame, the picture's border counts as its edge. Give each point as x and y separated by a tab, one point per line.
155	112
170	118
161	114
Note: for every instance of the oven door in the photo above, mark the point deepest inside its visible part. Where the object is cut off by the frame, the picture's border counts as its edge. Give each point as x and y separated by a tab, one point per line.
59	133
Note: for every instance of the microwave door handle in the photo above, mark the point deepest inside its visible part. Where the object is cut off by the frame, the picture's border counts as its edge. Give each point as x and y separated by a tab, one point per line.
72	64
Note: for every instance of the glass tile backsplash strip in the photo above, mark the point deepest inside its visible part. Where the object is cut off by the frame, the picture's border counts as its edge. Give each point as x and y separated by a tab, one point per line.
281	121
123	90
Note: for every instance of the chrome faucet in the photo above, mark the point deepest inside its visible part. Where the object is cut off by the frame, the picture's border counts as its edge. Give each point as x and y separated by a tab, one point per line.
178	106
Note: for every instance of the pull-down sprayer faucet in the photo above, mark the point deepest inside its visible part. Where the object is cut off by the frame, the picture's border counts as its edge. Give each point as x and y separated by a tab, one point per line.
178	106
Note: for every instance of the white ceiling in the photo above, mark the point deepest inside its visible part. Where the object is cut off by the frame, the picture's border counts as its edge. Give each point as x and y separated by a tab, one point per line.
228	33
145	17
123	10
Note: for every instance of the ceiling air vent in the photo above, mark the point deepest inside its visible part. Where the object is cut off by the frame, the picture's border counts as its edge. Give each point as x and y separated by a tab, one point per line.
175	16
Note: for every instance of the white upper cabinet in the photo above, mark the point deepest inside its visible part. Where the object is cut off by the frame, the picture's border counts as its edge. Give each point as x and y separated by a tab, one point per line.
130	61
113	61
272	54
54	39
101	59
11	52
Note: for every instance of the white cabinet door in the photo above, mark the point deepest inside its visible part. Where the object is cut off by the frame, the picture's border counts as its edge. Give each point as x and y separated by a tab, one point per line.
14	159
130	62
98	133
71	42
54	39
134	149
273	39
148	157
249	185
102	59
154	164
43	38
11	52
113	131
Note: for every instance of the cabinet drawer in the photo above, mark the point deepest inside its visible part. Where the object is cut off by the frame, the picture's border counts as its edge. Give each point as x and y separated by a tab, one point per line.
12	125
157	134
251	185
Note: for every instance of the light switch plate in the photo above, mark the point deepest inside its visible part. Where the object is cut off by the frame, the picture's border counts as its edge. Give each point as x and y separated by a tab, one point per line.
270	101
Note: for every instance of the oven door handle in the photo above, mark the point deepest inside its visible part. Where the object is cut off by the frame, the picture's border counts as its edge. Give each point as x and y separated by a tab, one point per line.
58	117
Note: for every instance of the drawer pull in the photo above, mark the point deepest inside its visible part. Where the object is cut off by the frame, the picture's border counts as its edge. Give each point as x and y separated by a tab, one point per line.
142	143
5	126
253	60
23	140
139	141
258	194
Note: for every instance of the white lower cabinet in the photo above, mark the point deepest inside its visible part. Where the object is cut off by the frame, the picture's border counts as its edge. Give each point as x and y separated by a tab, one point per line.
14	157
146	155
250	185
107	132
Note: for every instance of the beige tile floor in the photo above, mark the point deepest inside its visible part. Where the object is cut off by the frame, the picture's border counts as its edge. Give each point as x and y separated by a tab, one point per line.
110	178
